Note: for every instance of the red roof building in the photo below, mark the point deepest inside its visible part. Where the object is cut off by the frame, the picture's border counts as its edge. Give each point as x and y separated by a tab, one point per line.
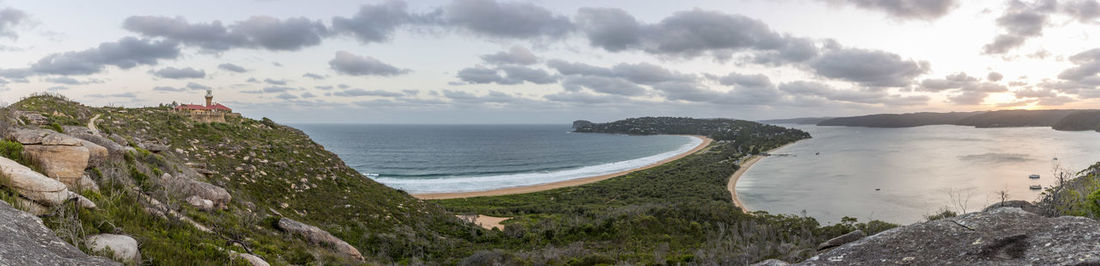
209	107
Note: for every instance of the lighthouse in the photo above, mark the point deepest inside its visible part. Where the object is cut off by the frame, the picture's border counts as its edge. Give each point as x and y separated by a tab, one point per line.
209	97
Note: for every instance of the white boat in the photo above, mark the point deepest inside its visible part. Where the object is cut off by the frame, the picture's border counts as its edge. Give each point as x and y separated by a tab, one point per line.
1035	187
1033	176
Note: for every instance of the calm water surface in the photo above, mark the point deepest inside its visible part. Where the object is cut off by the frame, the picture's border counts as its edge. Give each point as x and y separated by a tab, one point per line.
917	171
462	158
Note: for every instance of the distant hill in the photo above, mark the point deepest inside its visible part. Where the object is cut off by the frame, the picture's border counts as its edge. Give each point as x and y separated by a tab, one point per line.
1069	120
797	121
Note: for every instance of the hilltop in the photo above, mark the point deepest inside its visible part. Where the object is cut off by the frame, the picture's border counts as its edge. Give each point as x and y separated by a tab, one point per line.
1067	120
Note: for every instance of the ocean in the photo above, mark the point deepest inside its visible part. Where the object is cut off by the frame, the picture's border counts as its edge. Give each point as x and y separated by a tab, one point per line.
902	174
465	158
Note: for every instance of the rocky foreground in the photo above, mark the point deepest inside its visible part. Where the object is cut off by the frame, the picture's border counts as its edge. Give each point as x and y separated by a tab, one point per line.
997	236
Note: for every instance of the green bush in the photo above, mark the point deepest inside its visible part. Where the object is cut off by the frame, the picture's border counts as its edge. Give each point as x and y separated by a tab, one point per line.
57	127
14	151
1094	203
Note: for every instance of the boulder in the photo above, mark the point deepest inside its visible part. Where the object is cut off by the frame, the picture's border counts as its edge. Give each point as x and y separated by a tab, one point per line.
1002	236
96	154
64	163
77	130
114	150
32	185
771	262
153	146
251	259
218	195
1022	204
123	248
841	240
200	203
24	240
33	117
86	182
317	236
41	137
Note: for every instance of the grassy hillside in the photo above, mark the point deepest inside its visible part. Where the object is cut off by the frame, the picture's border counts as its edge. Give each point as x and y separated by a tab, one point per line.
271	171
679	212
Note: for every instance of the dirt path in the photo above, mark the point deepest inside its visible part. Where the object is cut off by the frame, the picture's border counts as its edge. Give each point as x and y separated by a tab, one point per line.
567	183
91	124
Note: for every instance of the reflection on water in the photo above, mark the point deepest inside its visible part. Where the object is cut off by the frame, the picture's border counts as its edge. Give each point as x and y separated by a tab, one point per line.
901	175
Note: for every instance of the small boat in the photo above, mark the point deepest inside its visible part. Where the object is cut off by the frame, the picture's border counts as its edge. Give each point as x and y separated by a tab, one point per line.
1035	187
1033	176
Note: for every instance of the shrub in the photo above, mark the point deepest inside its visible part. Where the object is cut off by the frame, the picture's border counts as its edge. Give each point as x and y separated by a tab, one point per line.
1094	203
14	151
57	127
944	213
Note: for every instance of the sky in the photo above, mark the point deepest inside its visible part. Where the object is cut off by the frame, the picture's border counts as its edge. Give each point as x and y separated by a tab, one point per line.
539	62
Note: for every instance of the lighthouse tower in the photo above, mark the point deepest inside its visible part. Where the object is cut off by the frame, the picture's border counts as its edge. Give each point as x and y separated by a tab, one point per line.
209	98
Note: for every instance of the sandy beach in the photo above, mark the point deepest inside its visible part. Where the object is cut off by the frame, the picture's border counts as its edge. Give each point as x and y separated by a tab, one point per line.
745	165
567	183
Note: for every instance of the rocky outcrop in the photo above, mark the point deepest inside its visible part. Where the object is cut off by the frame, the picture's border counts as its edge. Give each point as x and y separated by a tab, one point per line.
317	236
841	240
771	262
34	186
61	156
200	203
1022	204
25	241
122	248
1001	236
188	187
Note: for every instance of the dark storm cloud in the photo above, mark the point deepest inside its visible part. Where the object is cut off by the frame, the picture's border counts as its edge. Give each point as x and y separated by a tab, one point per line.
256	32
9	18
517	55
178	73
355	65
691	34
505	19
905	9
232	68
374	23
868	67
125	53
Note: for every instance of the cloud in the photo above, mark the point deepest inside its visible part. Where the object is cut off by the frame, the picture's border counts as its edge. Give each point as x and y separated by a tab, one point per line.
196	86
905	9
517	55
1019	22
375	23
868	67
994	76
313	76
742	80
616	86
71	81
505	19
362	92
125	53
821	90
690	34
355	65
275	82
178	73
232	68
287	96
585	98
969	90
494	97
512	75
9	18
115	95
308	95
256	32
273	89
167	88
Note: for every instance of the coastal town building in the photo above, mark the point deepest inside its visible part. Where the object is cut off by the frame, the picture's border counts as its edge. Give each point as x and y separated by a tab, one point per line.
211	112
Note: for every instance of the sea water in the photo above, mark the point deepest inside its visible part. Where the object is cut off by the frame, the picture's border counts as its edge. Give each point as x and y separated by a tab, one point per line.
903	174
465	158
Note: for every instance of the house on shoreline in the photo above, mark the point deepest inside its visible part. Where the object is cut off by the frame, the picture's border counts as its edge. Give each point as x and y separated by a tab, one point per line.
209	113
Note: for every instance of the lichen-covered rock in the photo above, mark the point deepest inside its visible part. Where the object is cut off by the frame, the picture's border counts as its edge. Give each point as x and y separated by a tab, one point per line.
41	137
96	154
64	163
188	187
251	259
317	236
771	262
24	240
1002	236
32	185
123	248
1022	204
